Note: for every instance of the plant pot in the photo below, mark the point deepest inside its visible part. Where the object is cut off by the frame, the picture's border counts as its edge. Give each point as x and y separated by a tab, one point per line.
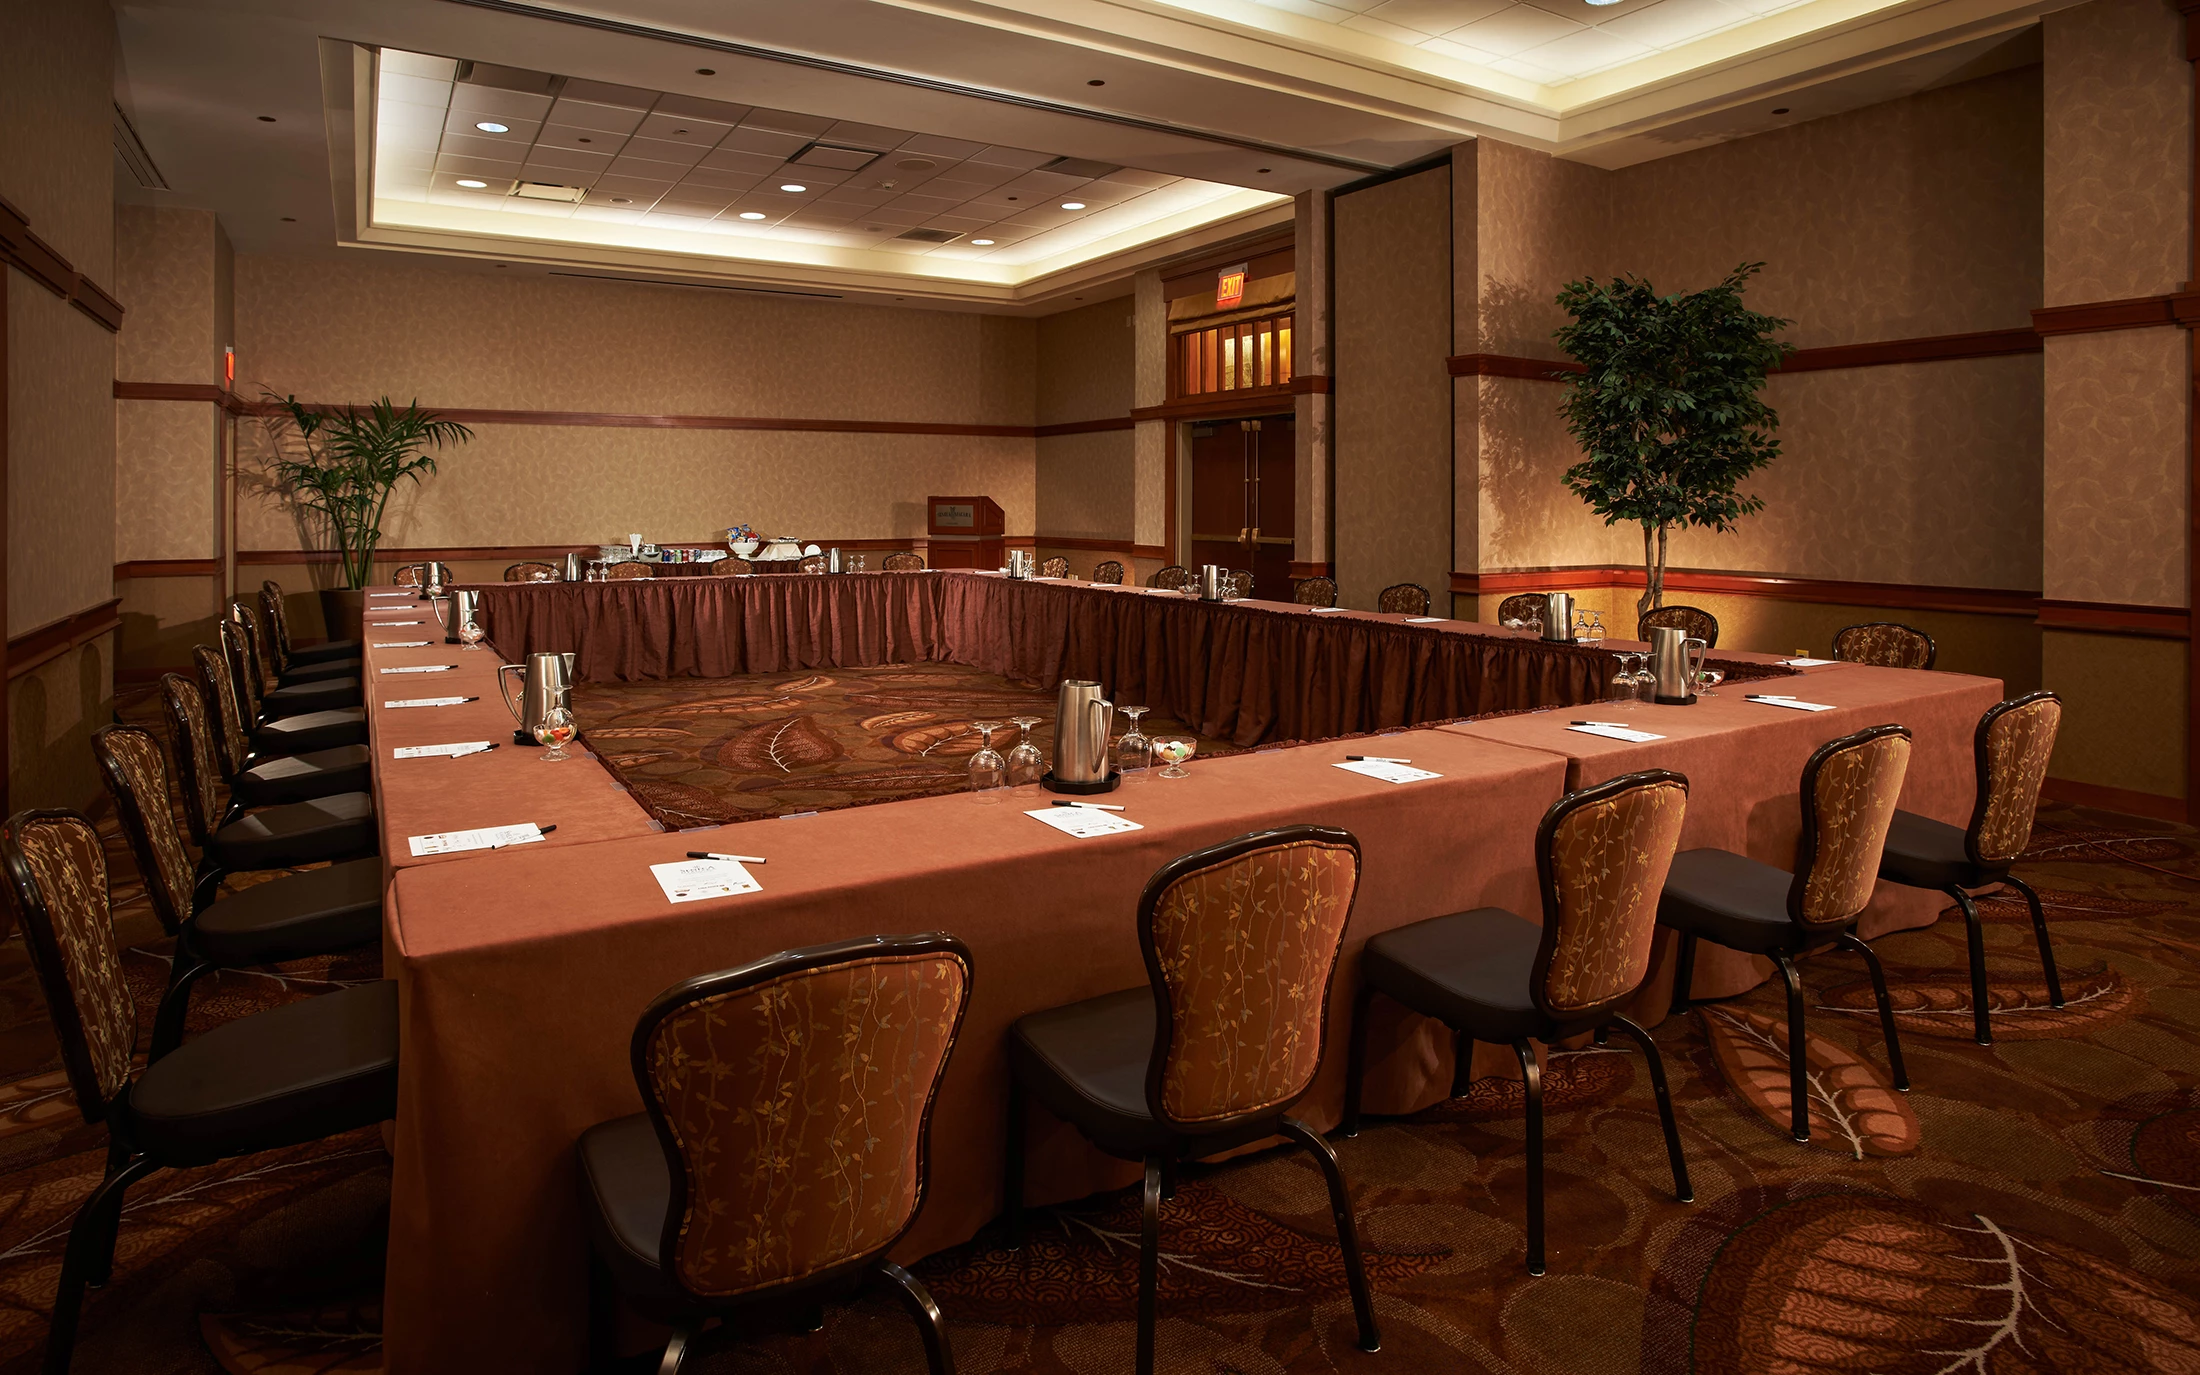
340	611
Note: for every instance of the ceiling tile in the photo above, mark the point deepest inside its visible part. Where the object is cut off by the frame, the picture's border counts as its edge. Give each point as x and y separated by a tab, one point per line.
1587	51
664	150
1458	52
873	136
720	178
447	180
957	190
931	145
699	133
698	209
1131	176
568	160
614	184
895	215
857	195
1020	158
419	64
785	122
649	169
1526	71
696	107
593	141
583	114
460	123
964	224
1514	30
477	167
747	140
1315	9
734	160
414	90
1674	21
489	100
1396	33
604	93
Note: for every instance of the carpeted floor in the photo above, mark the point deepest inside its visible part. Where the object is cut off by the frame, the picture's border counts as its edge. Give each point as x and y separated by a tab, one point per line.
2033	1207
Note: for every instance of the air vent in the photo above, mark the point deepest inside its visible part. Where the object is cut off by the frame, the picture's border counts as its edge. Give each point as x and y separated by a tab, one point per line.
1079	167
131	151
929	235
508	78
546	191
834	156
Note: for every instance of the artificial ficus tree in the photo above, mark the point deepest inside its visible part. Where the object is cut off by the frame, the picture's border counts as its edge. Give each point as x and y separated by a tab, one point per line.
1668	411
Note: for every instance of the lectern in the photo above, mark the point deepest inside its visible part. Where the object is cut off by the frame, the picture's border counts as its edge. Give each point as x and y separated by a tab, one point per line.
965	532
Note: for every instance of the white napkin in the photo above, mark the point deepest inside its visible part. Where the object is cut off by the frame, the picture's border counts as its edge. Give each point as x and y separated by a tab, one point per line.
693	880
421	668
379	624
481	838
402	644
1635	737
1084	821
1422	620
1387	771
428	702
431	751
1320	609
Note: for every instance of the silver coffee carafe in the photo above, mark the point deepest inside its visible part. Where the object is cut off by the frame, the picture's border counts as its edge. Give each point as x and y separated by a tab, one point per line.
833	561
433	577
1674	666
1082	720
574	565
1558	616
1213	582
546	682
455	611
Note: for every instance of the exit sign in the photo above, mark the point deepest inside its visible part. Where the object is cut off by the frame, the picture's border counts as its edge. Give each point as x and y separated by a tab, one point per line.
1230	286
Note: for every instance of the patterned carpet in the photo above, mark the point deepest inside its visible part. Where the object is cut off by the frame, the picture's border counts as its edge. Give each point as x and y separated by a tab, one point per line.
2033	1207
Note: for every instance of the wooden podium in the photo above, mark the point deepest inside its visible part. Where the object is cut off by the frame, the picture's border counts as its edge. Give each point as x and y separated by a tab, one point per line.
964	532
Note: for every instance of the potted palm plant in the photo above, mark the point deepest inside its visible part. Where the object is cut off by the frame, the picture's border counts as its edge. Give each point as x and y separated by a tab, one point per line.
338	468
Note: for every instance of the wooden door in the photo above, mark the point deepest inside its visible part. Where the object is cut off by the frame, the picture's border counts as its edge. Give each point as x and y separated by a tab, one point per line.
1244	499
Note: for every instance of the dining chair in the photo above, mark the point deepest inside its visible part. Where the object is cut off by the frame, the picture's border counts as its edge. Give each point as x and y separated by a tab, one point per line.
288	668
1315	592
1521	606
1174	578
408	575
1109	571
730	566
232	840
626	570
1241	582
1214	1051
292	696
1692	621
293	1074
1403	599
531	571
1601	856
273	599
1889	644
255	781
1055	567
318	911
903	562
289	735
2011	748
808	1075
1848	794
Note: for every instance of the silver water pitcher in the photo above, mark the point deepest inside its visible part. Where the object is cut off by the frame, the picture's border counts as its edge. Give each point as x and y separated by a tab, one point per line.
1213	582
454	611
433	577
1675	667
833	562
1558	616
546	682
1082	721
574	566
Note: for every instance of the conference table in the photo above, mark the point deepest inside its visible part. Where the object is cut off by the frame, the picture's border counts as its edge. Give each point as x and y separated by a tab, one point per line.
521	970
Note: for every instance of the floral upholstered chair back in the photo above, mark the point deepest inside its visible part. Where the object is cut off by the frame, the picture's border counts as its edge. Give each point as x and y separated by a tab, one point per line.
257	652
1315	592
1521	606
135	768
793	1097
1850	787
904	562
198	774
1602	854
1241	943
237	650
531	572
278	621
1108	571
1056	567
57	882
626	570
1173	578
730	566
1888	644
1692	621
1403	599
2015	740
231	742
1241	583
407	576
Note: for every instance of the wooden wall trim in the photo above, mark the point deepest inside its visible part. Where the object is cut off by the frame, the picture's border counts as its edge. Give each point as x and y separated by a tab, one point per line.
56	638
2137	312
1507	365
2125	800
177	391
1227	405
2162	622
39	262
1938	348
1117	422
1988	601
1100	546
167	568
1310	568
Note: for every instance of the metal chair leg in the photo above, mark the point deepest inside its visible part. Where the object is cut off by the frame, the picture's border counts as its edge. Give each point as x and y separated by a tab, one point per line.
1533	1075
1684	971
1852	941
1462	1064
676	1350
1798	1054
1355	1065
2039	933
1348	1234
1012	1167
1682	1189
88	1258
931	1323
1982	1029
1149	1264
185	969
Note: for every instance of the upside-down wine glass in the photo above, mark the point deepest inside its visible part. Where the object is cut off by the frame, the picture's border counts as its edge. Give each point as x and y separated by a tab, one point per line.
1173	750
1025	764
1134	751
556	727
988	772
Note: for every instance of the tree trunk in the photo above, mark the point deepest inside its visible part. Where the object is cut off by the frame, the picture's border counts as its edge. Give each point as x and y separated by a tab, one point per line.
1659	590
1651	588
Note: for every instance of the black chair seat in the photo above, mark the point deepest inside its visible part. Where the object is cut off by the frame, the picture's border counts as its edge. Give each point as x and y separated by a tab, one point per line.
630	1187
315	730
318	912
1731	899
1471	969
1924	853
327	649
300	698
298	1073
1086	1062
338	827
320	670
302	777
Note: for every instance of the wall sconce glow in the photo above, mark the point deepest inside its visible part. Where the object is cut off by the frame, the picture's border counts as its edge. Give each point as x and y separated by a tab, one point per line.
983	243
1073	205
490	126
470	184
752	214
794	186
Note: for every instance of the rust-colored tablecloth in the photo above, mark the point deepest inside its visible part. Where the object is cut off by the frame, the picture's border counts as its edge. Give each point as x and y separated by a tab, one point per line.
521	974
1744	761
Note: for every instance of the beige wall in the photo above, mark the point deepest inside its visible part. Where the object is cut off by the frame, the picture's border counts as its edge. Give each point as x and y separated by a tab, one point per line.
1087	483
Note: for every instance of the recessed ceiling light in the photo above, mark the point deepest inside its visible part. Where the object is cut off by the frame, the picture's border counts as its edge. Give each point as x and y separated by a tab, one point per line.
622	200
1073	205
470	184
290	219
706	71
793	186
1262	170
584	140
267	119
490	126
1096	83
982	243
1781	111
752	214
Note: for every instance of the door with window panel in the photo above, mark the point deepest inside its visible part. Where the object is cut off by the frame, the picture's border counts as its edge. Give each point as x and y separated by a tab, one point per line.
1244	499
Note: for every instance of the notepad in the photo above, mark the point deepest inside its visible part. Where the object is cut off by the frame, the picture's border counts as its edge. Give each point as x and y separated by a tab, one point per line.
431	751
1633	737
1422	620
481	838
1319	610
428	702
1387	771
421	668
1084	821
402	644
379	624
1789	702
1809	663
693	880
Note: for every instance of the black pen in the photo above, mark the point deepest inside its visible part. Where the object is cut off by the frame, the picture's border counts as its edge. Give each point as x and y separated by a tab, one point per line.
483	750
734	859
1096	806
545	830
1374	759
1609	725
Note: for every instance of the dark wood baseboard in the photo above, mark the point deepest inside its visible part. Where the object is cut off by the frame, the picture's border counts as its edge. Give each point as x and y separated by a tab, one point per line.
2117	618
56	638
2151	805
167	568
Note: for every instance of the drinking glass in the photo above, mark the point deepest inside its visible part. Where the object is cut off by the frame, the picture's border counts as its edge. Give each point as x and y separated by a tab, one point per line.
1646	682
988	771
1596	627
1173	750
470	635
1623	682
556	727
1025	763
1708	679
1134	751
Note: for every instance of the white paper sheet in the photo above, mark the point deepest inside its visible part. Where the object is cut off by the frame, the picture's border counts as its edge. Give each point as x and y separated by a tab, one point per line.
1319	610
380	624
1084	821
421	668
1422	620
428	702
481	838
1634	737
693	880
1789	702
1386	771
431	751
1809	663
402	644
